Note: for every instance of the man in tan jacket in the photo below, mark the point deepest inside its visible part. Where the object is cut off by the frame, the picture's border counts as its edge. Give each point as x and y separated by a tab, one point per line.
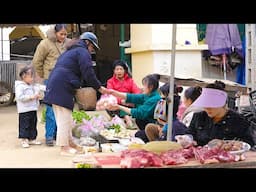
45	57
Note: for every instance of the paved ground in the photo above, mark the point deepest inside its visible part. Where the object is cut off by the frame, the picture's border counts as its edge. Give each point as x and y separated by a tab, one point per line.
14	156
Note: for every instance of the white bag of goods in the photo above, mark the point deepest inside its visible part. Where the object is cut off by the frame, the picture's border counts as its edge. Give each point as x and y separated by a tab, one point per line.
105	101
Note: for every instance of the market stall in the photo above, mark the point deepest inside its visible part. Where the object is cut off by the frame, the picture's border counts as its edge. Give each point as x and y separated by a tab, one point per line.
111	160
109	144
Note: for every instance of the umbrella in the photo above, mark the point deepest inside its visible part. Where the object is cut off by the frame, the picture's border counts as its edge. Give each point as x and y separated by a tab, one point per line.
223	39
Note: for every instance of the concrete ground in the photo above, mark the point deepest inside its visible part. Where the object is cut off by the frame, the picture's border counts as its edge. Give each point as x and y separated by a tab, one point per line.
14	156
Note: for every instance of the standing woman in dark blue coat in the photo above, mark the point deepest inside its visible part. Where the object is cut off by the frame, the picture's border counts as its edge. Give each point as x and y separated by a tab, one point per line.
71	68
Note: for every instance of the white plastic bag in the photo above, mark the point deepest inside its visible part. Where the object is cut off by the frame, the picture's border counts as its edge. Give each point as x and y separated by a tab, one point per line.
105	101
184	140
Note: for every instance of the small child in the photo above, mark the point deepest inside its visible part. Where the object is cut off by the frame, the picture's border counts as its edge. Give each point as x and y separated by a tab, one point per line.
159	131
27	98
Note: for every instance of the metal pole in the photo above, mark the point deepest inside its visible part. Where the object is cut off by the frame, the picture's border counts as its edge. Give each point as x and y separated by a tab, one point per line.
2	43
224	66
172	71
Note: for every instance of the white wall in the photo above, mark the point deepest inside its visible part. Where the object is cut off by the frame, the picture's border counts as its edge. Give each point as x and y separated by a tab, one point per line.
5	43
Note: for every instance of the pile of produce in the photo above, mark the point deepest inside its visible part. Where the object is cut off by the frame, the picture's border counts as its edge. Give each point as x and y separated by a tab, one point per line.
105	102
78	116
86	125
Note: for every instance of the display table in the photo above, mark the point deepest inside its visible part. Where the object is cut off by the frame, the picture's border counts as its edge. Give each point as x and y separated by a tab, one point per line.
249	162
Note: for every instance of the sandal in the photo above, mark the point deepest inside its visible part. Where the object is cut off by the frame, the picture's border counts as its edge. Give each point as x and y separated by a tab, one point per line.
68	152
79	148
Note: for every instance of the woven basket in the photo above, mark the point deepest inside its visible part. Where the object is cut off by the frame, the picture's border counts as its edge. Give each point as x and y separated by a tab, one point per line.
86	98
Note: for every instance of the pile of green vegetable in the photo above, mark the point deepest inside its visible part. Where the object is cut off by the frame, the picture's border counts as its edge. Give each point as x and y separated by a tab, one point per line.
78	116
87	165
43	116
116	127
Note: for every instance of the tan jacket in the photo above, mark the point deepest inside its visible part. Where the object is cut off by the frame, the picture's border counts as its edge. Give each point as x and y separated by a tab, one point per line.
47	52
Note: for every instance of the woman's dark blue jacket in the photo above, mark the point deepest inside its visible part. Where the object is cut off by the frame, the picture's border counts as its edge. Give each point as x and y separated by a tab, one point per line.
71	68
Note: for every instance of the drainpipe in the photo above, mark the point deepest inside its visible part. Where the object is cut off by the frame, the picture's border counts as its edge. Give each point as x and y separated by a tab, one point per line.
79	28
122	36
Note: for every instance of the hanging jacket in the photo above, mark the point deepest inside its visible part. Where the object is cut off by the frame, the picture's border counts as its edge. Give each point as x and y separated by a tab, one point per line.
222	38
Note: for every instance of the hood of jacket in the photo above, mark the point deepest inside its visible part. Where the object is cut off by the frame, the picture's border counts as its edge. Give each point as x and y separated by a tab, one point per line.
76	43
19	82
50	33
72	43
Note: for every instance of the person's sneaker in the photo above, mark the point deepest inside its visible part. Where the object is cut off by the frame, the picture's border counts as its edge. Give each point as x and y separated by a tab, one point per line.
49	142
24	143
34	142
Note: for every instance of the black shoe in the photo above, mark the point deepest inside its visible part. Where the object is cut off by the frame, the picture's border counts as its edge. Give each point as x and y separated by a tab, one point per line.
49	142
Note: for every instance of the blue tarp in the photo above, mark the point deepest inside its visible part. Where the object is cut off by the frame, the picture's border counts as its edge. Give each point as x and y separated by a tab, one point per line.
240	74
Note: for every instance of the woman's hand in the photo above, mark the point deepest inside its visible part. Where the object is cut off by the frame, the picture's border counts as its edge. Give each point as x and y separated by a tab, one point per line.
104	90
117	94
112	107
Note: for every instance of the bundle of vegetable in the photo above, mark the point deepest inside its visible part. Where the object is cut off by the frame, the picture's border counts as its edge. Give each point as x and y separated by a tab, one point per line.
87	165
105	102
116	127
78	116
116	123
43	116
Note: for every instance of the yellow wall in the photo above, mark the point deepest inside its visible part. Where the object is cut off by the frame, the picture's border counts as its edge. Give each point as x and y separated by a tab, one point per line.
141	66
151	49
141	35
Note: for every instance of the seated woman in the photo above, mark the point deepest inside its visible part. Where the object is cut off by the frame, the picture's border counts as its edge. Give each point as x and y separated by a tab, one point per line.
121	81
216	121
190	95
145	102
159	131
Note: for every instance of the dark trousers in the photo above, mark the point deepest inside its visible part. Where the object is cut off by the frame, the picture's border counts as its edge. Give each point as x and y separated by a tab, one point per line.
141	133
141	123
27	125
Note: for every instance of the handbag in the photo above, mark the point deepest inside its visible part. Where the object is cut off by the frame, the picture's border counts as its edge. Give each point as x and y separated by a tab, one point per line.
160	111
